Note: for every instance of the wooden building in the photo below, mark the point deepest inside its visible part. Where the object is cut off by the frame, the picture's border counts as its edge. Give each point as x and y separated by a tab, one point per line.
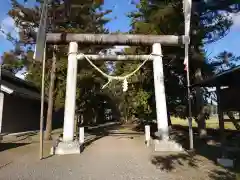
20	105
227	86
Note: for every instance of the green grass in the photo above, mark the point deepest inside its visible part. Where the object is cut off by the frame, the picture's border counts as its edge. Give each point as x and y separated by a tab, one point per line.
211	123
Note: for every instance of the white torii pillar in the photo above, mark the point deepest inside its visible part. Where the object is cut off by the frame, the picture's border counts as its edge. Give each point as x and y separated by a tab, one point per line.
68	145
162	143
70	99
160	97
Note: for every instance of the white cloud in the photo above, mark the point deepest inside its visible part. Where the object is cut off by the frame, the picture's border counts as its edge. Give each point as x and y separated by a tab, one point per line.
7	26
21	74
236	21
8	22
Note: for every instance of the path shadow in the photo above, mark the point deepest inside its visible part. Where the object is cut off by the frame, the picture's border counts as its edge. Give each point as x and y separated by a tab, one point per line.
204	151
180	135
48	156
27	134
87	143
123	133
6	164
222	175
210	149
102	130
201	147
140	127
19	138
171	162
15	141
99	133
182	162
7	146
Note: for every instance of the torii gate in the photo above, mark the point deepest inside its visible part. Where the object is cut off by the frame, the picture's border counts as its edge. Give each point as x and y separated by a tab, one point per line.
68	145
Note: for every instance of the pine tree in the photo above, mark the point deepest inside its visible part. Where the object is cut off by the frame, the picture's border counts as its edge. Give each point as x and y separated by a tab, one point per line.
224	61
73	16
210	22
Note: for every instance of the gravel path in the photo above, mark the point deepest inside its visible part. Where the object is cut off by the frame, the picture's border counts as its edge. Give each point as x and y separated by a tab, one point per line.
115	157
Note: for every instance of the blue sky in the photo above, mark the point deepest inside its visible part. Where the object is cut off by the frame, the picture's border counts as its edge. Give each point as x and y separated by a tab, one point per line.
229	43
121	22
119	19
5	45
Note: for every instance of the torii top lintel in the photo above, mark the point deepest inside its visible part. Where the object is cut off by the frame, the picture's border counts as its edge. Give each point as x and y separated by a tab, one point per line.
113	39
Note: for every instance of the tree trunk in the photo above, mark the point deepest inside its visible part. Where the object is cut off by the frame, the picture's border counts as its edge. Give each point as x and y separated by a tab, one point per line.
50	97
201	119
169	121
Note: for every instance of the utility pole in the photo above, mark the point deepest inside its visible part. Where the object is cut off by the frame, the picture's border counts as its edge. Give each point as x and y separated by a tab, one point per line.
187	9
40	55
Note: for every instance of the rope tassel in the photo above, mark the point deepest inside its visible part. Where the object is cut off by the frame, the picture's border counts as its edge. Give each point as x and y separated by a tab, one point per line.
125	85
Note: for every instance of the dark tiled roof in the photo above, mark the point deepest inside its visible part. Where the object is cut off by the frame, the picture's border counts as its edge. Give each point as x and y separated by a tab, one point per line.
227	78
20	87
